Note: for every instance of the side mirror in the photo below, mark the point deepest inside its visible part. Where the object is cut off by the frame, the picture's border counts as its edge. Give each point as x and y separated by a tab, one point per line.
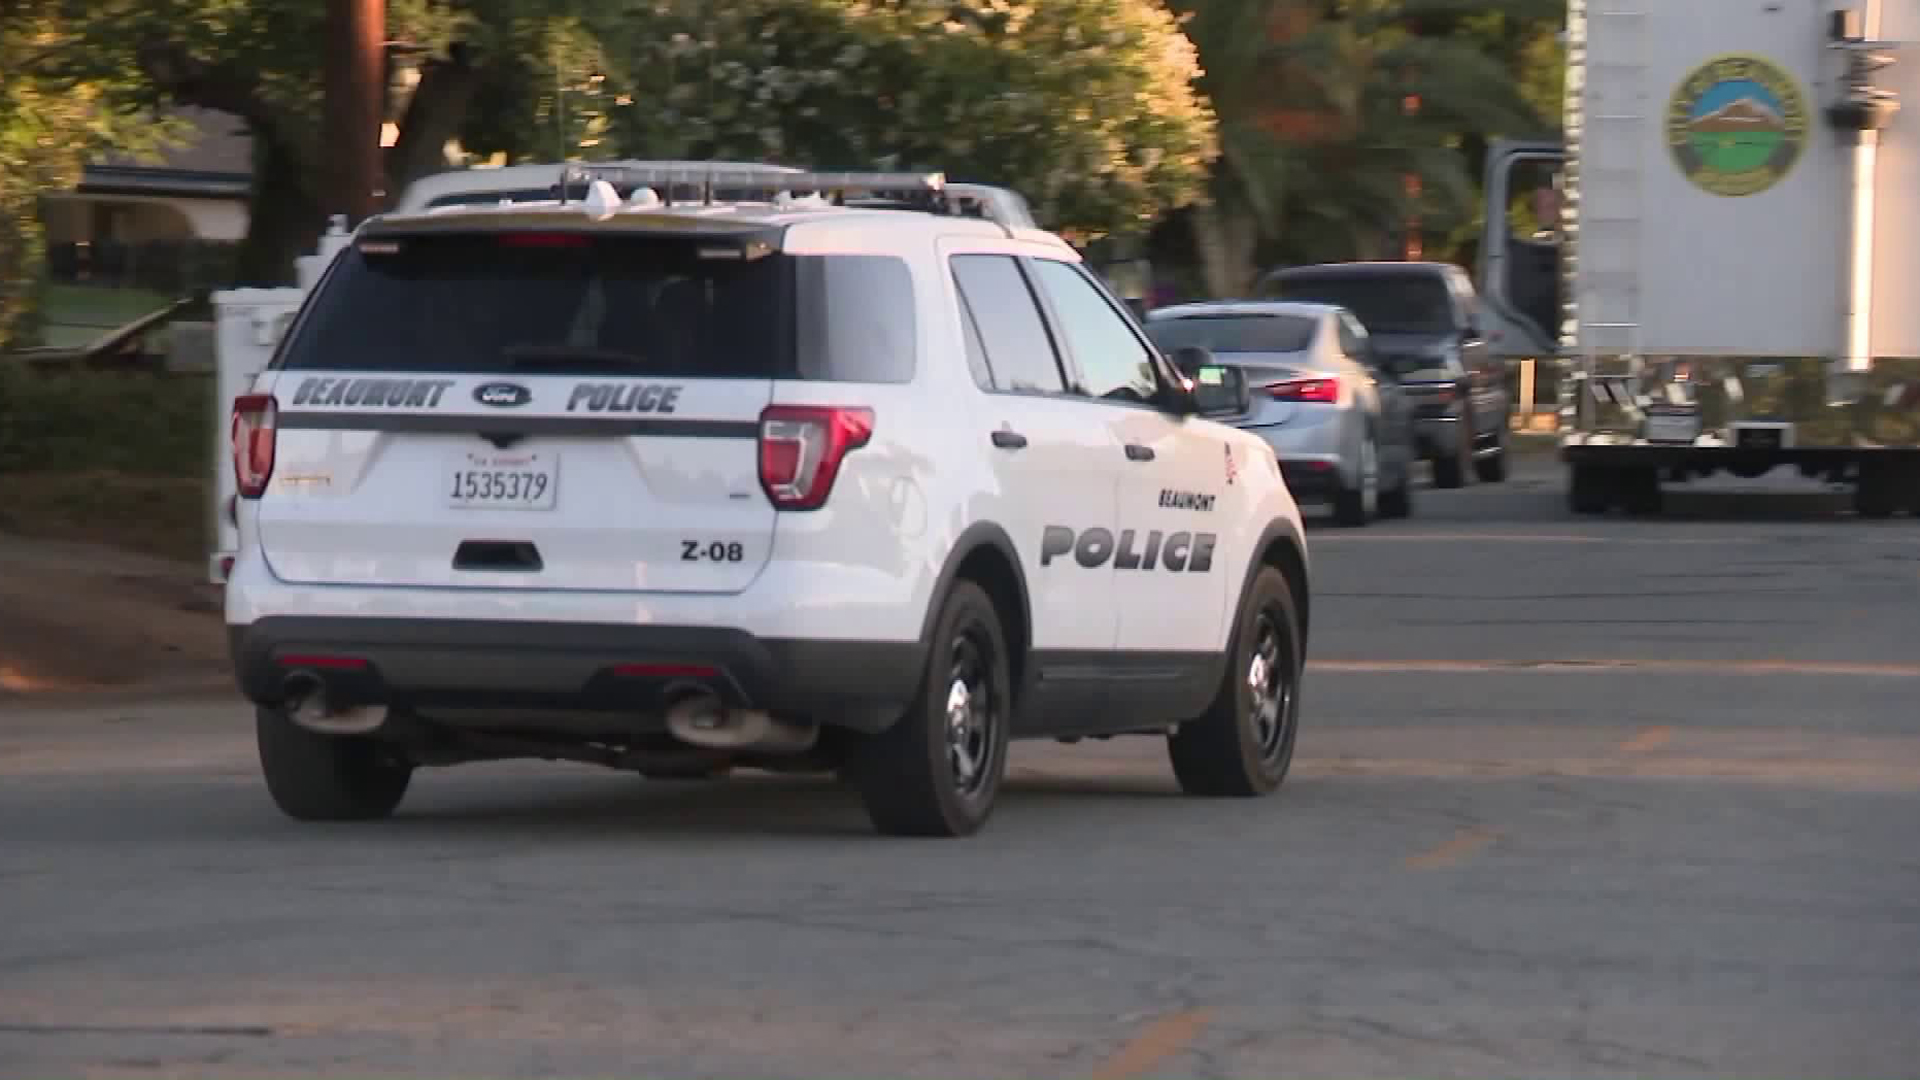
1471	331
1221	390
1215	389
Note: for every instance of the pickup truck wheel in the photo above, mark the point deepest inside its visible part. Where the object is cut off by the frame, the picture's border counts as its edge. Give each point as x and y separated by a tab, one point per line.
936	771
1450	469
1243	744
1397	501
1492	469
314	777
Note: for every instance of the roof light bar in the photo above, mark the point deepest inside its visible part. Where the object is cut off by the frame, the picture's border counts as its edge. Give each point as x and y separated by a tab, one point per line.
767	182
787	187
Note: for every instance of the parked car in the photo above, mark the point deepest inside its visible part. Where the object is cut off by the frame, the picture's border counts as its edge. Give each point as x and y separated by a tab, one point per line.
1425	325
1336	419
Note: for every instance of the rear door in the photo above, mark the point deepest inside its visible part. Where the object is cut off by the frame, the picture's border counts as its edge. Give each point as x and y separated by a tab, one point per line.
534	410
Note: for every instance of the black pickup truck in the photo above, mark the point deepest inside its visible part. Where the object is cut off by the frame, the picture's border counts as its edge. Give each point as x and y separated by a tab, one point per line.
1423	320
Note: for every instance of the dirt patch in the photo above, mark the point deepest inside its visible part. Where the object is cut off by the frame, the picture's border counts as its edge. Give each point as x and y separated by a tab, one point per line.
77	616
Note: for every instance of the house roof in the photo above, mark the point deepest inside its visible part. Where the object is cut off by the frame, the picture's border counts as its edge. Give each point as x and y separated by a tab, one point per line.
213	160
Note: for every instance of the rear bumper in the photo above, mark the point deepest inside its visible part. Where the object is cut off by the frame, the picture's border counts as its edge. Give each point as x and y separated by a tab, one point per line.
588	667
1312	479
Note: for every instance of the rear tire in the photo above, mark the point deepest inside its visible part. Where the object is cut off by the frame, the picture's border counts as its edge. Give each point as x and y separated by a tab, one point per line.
1590	489
1877	493
315	777
1640	493
936	771
1350	505
1242	745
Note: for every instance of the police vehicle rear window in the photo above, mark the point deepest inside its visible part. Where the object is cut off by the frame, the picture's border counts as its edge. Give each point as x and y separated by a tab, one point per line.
1233	333
570	303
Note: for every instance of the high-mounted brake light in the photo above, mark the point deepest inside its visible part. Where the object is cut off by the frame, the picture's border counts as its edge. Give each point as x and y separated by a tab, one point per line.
1326	391
253	443
543	240
801	447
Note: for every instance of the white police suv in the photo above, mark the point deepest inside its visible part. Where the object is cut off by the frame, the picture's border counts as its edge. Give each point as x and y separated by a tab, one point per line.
791	471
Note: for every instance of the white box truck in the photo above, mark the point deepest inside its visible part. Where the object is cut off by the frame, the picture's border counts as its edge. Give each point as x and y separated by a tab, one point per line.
1725	265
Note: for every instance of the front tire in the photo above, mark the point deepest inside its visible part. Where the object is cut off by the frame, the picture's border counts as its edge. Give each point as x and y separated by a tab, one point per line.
937	770
314	777
1242	745
1492	469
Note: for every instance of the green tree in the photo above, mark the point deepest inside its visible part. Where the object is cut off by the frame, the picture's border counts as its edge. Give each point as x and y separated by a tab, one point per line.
47	129
1088	107
1329	109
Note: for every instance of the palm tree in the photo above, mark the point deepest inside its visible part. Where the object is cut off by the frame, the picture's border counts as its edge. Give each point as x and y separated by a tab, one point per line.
1342	120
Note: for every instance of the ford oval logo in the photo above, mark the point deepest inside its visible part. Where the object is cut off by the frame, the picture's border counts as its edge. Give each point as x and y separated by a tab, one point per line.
502	395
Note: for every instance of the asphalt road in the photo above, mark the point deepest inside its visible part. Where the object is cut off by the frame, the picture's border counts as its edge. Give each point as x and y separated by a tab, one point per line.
1574	798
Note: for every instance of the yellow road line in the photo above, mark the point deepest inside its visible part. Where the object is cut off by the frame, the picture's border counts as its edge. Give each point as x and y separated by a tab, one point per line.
1164	1037
1615	666
1651	739
1453	852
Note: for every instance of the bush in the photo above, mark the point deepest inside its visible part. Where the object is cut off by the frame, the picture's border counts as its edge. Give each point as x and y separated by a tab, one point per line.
138	423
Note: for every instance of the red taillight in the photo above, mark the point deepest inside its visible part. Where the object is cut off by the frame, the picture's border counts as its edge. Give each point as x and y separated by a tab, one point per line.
801	447
253	422
1326	391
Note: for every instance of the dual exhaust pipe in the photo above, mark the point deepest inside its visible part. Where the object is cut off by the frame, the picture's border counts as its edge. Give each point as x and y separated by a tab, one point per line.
697	717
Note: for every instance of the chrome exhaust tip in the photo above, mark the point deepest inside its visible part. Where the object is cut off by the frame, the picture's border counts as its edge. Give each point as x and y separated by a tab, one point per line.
305	703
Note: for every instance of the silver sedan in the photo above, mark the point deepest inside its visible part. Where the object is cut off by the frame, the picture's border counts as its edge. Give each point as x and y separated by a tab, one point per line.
1339	423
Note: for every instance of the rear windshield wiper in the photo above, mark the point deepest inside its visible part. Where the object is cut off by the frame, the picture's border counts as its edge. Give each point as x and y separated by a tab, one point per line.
536	356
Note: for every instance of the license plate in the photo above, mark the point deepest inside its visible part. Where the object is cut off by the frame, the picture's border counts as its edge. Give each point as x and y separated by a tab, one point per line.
1671	425
501	481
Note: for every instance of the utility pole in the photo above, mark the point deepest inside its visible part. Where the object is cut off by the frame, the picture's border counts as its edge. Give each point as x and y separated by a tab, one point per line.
355	83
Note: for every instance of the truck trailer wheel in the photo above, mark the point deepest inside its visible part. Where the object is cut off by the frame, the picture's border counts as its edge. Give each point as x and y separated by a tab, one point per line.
1640	491
1590	489
1877	494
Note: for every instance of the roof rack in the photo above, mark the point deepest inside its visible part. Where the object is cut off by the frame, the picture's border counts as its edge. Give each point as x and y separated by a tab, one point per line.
709	185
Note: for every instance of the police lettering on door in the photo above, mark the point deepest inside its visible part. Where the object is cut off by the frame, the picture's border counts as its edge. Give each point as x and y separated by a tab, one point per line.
1180	552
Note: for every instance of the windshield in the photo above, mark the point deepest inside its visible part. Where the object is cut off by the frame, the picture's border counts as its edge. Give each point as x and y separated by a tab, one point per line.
572	303
1234	333
1384	303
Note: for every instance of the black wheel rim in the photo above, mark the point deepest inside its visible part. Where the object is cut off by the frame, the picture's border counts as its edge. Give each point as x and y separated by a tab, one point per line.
1269	686
972	718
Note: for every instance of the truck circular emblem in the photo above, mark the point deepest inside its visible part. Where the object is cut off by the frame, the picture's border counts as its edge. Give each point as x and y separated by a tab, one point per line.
1736	125
502	394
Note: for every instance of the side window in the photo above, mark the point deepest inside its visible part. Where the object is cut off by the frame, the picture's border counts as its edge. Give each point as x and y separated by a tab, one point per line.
1016	353
856	318
1112	360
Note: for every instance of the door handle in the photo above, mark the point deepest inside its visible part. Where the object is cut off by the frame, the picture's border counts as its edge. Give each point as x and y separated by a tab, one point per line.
1136	452
1009	440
